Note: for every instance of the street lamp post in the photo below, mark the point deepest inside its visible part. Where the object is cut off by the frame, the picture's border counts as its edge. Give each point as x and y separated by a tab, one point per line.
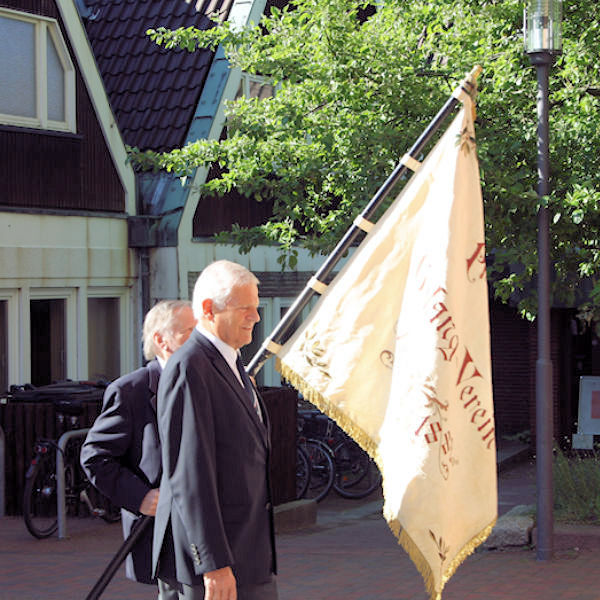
542	42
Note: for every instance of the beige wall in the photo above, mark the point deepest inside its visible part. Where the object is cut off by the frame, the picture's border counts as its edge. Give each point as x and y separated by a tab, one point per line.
73	258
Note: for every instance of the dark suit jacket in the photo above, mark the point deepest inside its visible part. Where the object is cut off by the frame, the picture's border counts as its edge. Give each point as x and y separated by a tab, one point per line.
215	507
121	455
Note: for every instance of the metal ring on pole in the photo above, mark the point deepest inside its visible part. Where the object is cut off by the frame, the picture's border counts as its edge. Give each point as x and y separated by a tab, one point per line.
61	505
363	224
271	346
412	163
348	239
460	93
317	285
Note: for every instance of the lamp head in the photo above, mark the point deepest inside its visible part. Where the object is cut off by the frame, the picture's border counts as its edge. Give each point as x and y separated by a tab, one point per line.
542	26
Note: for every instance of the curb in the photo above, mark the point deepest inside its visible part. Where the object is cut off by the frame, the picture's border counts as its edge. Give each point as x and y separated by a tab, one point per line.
572	537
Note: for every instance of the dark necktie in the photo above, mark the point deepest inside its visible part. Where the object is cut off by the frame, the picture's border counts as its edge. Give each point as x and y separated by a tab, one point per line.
247	384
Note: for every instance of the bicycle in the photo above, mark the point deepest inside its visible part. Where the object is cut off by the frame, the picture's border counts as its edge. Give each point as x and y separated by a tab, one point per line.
302	472
40	498
315	469
355	475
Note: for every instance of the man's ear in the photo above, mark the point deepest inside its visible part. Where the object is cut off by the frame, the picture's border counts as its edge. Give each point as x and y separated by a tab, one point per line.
207	309
158	339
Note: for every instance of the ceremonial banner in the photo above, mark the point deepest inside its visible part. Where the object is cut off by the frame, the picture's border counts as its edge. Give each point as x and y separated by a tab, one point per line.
397	351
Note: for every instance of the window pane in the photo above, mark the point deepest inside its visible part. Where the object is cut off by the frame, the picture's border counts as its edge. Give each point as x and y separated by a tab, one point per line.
17	68
3	345
56	83
261	90
48	345
240	91
104	356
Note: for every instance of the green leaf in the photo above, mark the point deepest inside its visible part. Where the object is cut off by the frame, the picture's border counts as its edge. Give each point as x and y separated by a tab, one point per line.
353	96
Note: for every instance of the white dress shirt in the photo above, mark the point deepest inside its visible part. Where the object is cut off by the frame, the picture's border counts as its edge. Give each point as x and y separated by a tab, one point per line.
230	355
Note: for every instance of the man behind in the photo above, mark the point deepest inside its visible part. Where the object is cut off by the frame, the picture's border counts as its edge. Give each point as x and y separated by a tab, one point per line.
121	453
214	536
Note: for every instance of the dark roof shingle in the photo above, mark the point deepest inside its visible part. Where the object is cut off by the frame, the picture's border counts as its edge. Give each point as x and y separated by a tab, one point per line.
153	92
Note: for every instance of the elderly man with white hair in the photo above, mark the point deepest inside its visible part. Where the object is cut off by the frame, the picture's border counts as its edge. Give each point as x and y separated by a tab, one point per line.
213	535
121	453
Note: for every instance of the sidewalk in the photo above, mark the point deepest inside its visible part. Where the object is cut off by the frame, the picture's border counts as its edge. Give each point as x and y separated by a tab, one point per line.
349	555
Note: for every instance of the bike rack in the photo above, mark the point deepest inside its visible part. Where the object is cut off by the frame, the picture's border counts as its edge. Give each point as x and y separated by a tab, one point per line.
2	472
61	505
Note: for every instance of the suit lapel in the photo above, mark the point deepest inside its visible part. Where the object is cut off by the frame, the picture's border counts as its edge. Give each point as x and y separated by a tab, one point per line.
223	368
153	377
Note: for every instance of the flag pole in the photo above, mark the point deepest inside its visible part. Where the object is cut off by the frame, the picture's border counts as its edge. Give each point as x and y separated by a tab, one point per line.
119	557
362	223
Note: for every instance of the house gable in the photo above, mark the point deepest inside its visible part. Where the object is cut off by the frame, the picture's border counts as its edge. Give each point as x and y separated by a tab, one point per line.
153	91
77	168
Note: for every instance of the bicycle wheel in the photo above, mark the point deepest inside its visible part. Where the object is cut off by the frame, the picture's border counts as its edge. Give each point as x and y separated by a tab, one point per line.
322	469
302	472
39	499
356	474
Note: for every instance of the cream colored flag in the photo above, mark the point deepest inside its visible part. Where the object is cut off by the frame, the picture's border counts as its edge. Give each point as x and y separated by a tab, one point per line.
397	351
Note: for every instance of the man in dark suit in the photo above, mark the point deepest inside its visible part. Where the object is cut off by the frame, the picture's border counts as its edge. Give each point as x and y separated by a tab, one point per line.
121	453
214	536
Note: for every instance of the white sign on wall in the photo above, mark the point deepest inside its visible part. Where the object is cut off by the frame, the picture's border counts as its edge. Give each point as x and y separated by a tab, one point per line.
588	421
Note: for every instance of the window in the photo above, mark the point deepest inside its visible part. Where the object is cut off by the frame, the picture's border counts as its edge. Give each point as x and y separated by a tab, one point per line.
37	78
271	311
104	339
255	86
48	341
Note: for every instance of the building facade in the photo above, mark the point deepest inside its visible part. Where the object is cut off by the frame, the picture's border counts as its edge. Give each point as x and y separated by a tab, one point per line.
68	279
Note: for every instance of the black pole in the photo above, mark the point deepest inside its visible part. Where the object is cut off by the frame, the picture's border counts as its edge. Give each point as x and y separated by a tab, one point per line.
346	242
543	367
119	557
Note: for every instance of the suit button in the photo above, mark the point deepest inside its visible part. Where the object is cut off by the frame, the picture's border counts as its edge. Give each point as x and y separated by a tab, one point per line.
268	506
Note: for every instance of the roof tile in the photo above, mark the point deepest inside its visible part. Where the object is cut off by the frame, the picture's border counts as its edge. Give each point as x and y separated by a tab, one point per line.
153	92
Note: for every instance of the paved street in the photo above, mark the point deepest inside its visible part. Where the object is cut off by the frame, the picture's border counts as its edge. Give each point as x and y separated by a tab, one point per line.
349	555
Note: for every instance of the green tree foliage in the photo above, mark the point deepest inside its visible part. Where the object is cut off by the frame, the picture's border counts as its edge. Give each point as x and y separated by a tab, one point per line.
353	95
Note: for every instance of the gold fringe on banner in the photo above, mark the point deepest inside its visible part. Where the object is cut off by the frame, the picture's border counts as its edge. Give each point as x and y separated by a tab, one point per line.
316	398
423	566
453	168
367	444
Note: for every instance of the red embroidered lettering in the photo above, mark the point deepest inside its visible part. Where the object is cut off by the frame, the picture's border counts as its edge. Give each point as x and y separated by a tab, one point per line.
434	428
476	259
479	412
472	372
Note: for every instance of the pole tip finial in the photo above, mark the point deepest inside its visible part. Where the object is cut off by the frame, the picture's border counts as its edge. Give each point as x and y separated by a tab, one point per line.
470	81
475	71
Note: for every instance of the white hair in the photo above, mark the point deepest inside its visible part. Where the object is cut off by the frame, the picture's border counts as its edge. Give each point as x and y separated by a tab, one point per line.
217	282
159	319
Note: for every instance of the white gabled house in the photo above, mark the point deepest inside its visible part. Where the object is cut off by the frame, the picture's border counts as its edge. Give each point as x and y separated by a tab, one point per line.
68	280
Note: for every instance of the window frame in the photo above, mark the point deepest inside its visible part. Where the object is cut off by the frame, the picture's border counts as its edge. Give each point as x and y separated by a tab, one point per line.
44	27
272	307
11	297
123	296
69	295
247	78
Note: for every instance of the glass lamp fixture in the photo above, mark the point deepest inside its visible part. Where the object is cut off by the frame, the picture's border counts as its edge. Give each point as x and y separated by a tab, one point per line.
542	26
